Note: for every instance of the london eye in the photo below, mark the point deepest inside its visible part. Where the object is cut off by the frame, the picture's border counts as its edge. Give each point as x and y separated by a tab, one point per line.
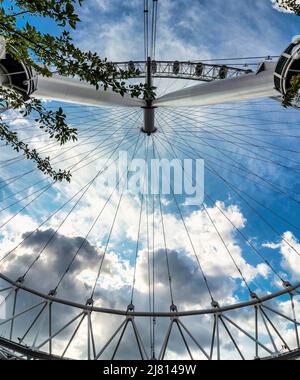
91	271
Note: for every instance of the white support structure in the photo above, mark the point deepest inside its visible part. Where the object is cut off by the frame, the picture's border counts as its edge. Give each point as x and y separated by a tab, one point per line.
22	78
74	91
272	80
245	87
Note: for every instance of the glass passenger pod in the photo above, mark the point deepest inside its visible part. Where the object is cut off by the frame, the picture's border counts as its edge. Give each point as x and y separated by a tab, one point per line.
287	67
223	72
199	69
176	67
18	75
131	67
154	67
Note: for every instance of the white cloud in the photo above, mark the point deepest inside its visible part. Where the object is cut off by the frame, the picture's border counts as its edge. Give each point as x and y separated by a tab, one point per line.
196	31
180	37
289	248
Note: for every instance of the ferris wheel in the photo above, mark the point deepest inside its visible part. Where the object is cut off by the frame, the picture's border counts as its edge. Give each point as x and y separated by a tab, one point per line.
102	274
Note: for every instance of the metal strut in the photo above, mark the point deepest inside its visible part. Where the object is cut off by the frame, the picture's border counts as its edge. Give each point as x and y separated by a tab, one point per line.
149	109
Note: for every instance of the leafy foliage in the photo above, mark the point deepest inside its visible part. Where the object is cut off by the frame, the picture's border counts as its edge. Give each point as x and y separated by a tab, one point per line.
289	97
293	92
290	5
43	51
51	122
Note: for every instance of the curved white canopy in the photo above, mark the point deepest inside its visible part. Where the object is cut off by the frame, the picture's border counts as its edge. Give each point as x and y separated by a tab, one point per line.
74	91
245	87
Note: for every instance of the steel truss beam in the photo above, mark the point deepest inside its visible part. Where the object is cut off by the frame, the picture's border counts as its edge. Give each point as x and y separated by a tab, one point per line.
197	71
225	327
227	86
245	87
25	351
134	313
271	80
11	350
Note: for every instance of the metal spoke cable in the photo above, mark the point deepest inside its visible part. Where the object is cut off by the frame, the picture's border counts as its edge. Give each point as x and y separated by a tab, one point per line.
53	235
251	109
99	149
166	251
45	189
93	225
87	121
111	231
139	225
149	271
40	192
270	146
44	180
209	113
191	242
263	182
164	233
276	214
259	132
153	271
146	28
27	188
245	169
111	138
17	177
70	117
242	128
218	233
256	156
103	150
95	159
120	117
97	128
247	240
82	189
237	59
206	144
234	261
63	151
261	217
198	131
245	177
154	28
228	250
271	108
90	154
231	126
44	134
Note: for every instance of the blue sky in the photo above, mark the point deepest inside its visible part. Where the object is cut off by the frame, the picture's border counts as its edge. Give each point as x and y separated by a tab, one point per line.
188	29
206	30
234	140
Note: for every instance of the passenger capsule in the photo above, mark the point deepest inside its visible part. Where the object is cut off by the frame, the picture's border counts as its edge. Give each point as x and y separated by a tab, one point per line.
176	67
154	67
199	69
131	66
223	72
